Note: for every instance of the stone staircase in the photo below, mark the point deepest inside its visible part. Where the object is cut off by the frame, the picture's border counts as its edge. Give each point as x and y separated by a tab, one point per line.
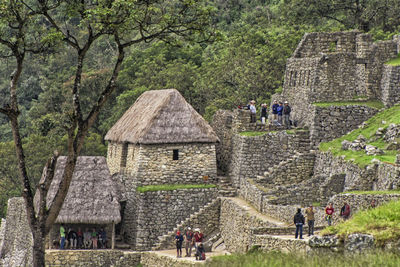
166	241
225	187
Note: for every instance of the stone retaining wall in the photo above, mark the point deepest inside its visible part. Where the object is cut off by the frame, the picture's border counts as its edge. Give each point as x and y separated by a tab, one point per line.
160	211
92	258
151	259
274	243
253	156
390	85
334	121
236	226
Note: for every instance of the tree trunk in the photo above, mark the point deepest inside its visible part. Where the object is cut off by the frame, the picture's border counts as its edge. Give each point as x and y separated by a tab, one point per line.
38	252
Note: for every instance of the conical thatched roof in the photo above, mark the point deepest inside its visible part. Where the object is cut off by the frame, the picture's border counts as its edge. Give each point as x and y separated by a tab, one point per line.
92	195
160	117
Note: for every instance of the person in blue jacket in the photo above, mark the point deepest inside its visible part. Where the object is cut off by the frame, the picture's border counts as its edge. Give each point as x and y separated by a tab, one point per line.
275	109
279	111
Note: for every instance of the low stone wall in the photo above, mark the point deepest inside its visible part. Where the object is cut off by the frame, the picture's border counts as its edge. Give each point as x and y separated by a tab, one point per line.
151	259
390	85
160	211
360	201
334	121
274	243
253	156
16	249
92	258
236	226
252	192
387	177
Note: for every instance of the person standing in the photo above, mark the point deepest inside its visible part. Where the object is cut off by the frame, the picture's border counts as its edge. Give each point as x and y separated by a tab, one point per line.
253	111
329	213
94	238
299	221
275	109
345	211
179	241
286	113
80	238
310	220
279	111
264	113
198	237
62	236
188	242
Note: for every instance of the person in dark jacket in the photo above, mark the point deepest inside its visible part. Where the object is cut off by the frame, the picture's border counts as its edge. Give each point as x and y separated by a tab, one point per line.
279	110
179	241
299	221
345	211
264	113
286	114
275	109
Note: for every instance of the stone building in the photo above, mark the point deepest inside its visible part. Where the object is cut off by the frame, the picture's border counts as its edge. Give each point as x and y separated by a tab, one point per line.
161	139
92	200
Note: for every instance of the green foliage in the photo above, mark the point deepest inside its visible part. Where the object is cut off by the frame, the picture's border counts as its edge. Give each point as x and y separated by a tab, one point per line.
372	104
372	192
252	133
279	259
380	120
383	222
170	187
394	62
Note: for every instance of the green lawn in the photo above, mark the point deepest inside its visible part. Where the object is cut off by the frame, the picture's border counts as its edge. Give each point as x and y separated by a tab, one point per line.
373	104
394	62
278	259
170	187
383	222
381	120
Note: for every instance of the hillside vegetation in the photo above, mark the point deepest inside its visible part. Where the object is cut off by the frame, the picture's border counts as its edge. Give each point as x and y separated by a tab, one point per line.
381	120
383	222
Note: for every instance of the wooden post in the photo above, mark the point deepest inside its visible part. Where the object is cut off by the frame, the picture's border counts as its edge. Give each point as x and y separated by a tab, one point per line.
113	236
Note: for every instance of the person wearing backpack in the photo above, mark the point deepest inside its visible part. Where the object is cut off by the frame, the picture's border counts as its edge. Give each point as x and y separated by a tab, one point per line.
299	222
345	211
179	241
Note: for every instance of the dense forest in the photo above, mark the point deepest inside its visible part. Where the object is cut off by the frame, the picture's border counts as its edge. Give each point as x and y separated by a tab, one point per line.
244	60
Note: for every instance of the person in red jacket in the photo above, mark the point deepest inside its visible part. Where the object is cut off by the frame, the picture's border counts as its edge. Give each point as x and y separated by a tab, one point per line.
198	237
329	213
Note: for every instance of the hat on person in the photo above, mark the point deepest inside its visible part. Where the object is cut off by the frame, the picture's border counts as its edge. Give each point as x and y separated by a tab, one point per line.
252	101
286	102
197	230
189	228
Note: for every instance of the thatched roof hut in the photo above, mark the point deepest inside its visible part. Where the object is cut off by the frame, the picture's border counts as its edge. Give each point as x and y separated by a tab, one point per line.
92	197
161	117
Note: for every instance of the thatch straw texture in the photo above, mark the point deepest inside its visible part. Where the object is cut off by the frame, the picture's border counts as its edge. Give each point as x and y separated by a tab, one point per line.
92	197
161	117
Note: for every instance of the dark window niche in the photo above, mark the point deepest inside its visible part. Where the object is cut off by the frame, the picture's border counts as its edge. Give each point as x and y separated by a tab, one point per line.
175	154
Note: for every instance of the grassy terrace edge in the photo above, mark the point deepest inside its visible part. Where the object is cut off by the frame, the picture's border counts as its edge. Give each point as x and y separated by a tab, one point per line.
170	187
381	120
383	222
395	192
394	62
372	104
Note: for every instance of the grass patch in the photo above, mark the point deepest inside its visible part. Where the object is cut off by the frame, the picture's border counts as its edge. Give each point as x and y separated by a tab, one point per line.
372	192
279	259
383	222
316	204
395	61
372	104
170	187
249	133
380	120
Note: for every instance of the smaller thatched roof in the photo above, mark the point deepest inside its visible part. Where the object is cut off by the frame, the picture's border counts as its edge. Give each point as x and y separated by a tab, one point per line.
161	117
92	197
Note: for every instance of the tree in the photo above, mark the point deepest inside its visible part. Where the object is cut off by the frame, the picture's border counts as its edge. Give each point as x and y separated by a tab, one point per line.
34	27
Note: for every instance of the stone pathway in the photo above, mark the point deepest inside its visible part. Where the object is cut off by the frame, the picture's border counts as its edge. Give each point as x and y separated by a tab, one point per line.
252	211
172	254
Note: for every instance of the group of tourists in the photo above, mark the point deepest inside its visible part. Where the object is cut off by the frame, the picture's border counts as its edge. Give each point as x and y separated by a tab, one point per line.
299	219
280	111
72	239
192	239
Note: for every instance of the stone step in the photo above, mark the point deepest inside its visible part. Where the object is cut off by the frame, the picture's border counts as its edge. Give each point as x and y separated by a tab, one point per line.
122	246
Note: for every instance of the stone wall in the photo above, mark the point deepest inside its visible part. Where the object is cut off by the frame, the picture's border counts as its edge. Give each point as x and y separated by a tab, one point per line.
332	122
158	212
17	242
253	156
154	164
151	259
390	85
275	243
92	258
236	226
387	177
